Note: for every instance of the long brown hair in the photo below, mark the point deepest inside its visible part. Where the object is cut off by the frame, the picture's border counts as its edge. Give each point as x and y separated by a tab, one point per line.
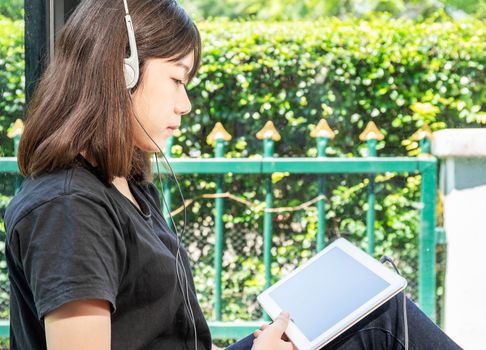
82	104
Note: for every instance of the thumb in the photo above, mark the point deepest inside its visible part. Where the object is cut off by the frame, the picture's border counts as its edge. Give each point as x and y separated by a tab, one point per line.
280	324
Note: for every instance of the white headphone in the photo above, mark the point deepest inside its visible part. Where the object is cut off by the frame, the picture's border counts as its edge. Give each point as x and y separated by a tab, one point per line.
131	65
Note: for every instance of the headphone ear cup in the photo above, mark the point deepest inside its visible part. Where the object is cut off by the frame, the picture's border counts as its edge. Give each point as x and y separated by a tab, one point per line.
129	75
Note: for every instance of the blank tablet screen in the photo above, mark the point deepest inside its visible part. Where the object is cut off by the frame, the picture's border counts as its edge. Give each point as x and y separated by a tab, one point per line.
326	291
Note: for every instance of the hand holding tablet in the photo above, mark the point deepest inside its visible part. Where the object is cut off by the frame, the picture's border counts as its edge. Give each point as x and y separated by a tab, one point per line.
330	293
271	337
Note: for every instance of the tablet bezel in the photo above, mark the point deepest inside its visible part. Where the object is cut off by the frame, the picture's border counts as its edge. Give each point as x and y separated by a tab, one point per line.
397	284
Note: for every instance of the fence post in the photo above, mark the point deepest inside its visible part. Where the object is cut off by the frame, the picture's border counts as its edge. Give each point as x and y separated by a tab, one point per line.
322	133
423	136
217	138
269	135
427	240
371	135
15	133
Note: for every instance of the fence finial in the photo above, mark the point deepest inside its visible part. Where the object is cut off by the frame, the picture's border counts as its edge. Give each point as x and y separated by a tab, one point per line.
371	132
423	132
218	132
17	129
268	132
322	130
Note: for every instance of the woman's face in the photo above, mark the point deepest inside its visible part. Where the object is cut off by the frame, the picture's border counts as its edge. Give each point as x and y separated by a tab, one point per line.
160	101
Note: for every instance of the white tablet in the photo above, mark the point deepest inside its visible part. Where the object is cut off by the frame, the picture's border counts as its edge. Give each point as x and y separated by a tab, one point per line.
330	293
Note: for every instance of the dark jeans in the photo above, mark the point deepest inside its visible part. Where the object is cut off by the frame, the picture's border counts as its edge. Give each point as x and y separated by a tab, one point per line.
383	329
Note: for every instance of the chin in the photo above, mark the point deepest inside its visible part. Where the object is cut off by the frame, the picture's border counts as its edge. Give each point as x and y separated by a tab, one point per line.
151	148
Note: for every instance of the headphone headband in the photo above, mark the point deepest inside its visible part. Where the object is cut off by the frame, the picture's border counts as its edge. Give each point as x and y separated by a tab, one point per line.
131	64
126	6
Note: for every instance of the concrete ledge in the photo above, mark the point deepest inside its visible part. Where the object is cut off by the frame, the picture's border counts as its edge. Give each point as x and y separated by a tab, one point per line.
465	305
464	143
233	329
4	328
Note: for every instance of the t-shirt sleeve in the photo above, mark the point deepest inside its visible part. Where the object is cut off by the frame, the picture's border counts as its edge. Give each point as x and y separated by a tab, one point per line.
71	248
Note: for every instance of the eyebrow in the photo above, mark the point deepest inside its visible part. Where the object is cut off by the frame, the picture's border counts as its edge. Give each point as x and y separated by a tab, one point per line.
186	68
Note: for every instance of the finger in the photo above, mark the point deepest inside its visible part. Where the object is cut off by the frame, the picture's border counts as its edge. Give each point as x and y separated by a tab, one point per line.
257	333
289	346
280	324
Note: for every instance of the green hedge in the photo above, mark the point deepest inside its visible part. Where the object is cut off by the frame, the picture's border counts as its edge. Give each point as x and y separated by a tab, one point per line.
13	9
12	81
12	101
396	72
363	70
312	9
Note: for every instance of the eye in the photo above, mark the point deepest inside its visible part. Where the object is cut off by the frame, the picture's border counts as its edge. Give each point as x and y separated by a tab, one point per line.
179	82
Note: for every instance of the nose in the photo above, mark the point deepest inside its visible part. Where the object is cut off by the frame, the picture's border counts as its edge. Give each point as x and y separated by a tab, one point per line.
183	105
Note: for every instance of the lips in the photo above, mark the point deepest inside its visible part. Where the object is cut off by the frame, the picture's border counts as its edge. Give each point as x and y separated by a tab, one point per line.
173	130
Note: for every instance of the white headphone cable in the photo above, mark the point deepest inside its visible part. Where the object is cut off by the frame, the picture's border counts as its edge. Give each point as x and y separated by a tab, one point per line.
184	286
179	263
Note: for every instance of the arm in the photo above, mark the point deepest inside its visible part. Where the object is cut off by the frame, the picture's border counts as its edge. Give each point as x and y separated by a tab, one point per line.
79	325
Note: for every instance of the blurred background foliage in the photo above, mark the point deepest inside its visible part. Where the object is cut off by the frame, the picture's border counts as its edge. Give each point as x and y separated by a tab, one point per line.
306	9
13	9
12	79
313	9
402	64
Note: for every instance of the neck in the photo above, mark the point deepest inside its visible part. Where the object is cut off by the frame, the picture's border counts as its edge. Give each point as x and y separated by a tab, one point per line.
121	185
89	159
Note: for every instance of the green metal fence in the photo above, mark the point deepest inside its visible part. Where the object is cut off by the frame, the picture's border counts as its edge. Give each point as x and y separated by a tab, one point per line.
425	165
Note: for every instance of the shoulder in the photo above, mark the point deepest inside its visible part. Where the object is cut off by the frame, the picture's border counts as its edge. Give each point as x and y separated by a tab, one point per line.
59	186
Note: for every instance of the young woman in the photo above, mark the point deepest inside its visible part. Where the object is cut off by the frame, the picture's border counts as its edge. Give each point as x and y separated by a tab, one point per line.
92	263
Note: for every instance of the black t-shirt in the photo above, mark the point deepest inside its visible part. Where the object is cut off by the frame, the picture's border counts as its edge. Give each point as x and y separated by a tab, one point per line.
70	236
